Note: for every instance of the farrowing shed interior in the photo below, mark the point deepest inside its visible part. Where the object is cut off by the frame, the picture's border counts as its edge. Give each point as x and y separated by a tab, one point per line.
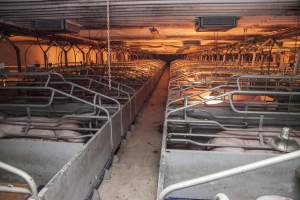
145	100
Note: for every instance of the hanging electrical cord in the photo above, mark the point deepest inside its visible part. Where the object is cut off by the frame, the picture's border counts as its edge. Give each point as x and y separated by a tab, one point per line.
108	45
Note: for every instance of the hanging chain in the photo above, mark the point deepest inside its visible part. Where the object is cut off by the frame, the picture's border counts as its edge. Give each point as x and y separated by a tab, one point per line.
108	45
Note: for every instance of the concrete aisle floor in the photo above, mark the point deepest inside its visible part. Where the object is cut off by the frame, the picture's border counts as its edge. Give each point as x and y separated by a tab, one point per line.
135	176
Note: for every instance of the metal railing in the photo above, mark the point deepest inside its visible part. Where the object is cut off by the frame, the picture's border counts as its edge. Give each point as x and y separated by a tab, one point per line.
229	173
32	191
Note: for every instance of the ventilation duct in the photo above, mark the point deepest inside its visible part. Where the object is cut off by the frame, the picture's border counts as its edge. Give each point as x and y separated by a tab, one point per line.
215	23
55	25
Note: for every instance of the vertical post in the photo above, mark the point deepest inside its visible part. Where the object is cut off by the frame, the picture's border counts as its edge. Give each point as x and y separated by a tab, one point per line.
82	53
123	57
238	61
45	54
253	58
297	62
97	56
224	57
281	64
66	57
45	60
274	58
102	55
242	59
262	59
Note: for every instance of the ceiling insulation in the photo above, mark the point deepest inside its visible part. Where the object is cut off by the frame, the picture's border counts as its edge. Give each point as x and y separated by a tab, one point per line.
92	13
147	24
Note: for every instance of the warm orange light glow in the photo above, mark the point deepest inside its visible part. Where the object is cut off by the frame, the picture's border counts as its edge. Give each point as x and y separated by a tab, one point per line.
206	97
212	102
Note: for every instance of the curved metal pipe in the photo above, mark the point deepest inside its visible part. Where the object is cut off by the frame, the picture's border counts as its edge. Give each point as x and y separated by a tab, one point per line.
29	180
229	173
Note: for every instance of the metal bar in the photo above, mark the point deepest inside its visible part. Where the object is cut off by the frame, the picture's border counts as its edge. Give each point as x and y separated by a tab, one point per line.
29	180
229	173
229	95
189	141
15	190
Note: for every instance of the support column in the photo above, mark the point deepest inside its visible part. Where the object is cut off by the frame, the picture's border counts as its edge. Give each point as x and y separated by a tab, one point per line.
45	55
82	53
97	56
66	57
238	58
242	59
224	58
281	62
297	62
262	59
102	55
253	58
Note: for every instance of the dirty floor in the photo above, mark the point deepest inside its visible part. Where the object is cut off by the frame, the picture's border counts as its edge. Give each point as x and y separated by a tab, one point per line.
134	176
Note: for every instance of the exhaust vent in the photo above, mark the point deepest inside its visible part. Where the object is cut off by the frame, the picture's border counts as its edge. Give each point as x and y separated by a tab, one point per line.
215	23
55	25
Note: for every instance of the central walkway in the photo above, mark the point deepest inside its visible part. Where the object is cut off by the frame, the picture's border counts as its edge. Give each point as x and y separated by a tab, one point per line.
135	176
